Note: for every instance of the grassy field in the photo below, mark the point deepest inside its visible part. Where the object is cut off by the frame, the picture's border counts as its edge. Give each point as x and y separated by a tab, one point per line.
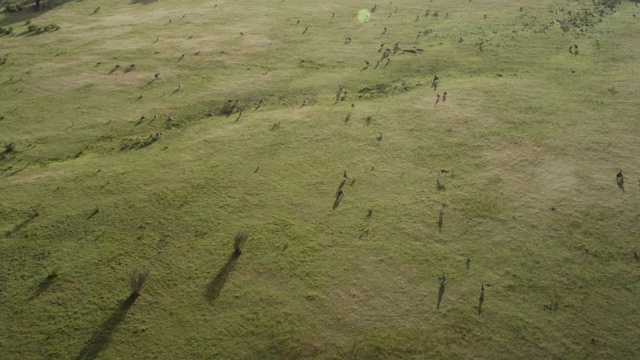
257	109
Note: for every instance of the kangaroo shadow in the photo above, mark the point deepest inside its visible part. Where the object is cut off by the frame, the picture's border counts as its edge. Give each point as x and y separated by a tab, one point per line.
480	302
214	288
93	213
101	336
21	225
440	186
620	182
44	285
440	294
440	221
336	203
339	194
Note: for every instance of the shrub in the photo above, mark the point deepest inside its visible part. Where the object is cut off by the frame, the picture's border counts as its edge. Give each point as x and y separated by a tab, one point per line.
241	238
40	29
6	30
227	109
138	279
9	148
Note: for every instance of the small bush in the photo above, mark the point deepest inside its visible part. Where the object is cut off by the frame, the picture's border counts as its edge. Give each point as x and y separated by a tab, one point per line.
139	143
138	279
6	30
13	8
9	148
241	238
227	109
36	29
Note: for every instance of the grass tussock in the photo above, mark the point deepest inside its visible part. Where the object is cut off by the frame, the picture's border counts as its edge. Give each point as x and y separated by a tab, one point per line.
137	280
240	240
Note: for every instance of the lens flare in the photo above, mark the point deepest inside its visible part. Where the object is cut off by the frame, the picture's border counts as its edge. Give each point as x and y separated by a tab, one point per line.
364	16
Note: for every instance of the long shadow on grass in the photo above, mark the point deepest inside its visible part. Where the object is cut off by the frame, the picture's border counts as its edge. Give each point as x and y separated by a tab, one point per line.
144	2
214	288
44	285
440	221
101	337
480	302
29	13
336	203
21	225
440	294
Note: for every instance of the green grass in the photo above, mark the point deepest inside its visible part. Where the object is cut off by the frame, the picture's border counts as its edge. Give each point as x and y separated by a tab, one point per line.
88	192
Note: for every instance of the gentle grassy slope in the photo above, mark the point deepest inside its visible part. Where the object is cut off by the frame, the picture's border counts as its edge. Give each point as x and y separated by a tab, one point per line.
526	127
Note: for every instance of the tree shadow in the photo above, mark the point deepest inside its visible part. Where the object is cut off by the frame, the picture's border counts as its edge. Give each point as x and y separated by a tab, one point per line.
480	302
101	336
214	288
440	294
30	11
44	285
21	225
